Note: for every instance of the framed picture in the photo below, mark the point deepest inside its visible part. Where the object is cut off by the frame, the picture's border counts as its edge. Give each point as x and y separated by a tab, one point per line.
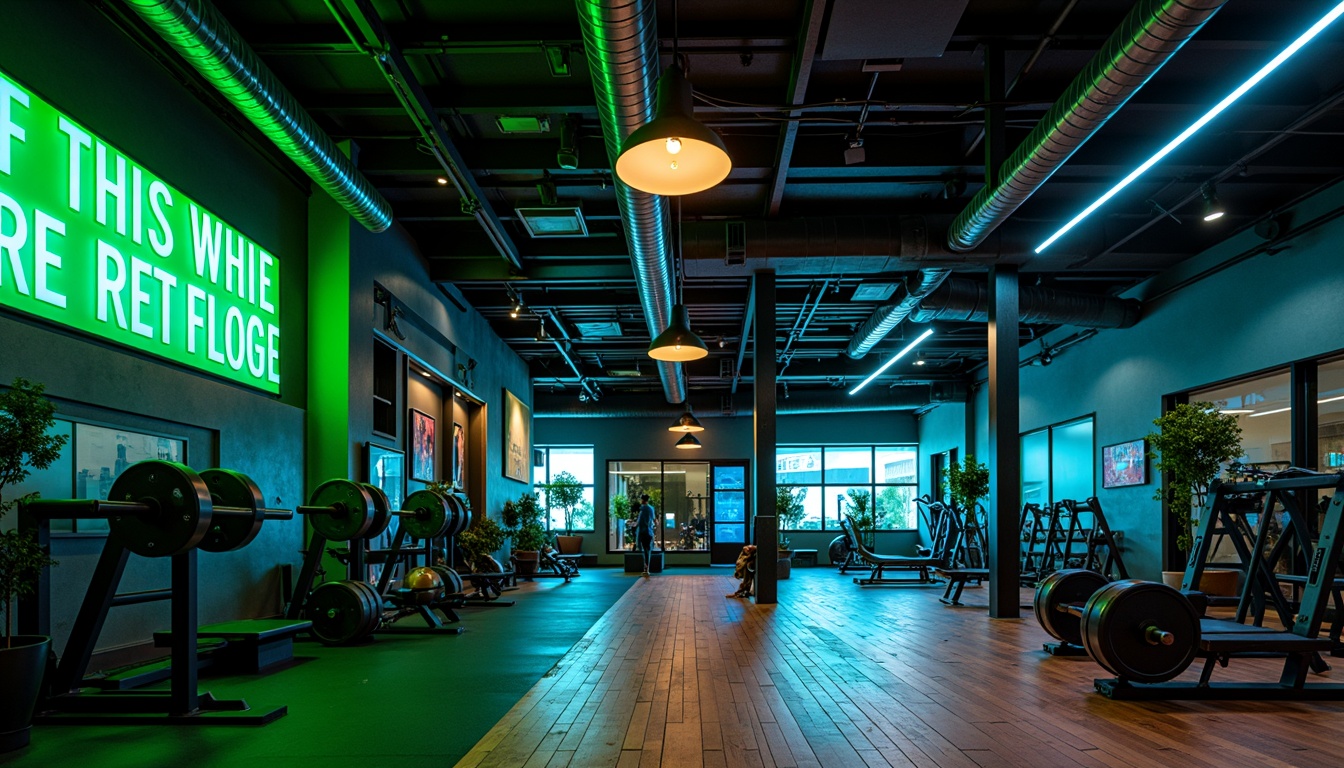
459	456
422	446
517	439
1124	464
103	453
387	470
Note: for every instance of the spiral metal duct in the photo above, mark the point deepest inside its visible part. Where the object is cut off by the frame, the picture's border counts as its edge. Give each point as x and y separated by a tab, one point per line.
968	301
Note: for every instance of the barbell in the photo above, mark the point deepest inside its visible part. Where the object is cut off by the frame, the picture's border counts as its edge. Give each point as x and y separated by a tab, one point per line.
163	508
343	510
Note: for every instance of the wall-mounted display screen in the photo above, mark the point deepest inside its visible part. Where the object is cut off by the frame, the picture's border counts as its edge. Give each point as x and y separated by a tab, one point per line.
92	240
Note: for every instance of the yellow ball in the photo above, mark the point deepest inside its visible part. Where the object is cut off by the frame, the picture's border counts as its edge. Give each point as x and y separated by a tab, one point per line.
425	584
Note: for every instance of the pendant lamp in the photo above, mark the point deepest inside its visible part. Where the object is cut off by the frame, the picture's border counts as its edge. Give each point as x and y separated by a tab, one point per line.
686	423
673	154
678	343
688	442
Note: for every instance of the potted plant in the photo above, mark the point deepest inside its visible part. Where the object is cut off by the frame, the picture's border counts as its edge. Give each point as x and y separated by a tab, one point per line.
522	519
967	484
859	509
25	417
479	543
788	514
620	511
566	492
1192	443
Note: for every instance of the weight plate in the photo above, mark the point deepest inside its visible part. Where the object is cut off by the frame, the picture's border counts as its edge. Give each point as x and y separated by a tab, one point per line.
343	612
382	511
351	510
460	510
839	550
452	583
1062	588
431	515
1116	629
181	504
230	531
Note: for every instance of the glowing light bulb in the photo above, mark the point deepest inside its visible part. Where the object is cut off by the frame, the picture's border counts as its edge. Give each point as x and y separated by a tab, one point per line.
673	145
674	165
677	347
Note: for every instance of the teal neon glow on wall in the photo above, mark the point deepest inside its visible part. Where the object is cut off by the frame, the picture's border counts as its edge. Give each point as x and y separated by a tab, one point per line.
92	240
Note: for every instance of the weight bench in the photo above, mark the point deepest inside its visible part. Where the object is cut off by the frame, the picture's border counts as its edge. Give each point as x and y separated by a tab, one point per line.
489	587
956	581
880	563
249	645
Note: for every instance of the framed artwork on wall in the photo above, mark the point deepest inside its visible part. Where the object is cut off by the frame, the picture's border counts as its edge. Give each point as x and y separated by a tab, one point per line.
459	456
517	439
1124	464
387	470
422	446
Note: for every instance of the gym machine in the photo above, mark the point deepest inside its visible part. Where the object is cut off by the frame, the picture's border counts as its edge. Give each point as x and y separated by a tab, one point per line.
156	509
1071	534
351	610
1147	633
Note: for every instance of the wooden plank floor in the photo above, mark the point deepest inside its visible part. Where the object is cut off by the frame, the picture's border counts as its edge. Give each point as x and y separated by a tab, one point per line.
837	675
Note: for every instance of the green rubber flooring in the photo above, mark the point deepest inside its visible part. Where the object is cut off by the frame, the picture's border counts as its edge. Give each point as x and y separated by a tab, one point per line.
400	700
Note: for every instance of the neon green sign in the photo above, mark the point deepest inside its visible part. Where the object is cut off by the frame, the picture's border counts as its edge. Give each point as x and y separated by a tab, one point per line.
92	240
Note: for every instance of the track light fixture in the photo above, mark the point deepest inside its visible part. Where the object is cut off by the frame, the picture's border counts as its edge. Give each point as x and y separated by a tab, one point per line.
1213	207
688	442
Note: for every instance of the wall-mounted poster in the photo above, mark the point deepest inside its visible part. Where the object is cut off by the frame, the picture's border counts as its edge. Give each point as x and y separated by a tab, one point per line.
517	438
1124	464
459	456
103	453
422	446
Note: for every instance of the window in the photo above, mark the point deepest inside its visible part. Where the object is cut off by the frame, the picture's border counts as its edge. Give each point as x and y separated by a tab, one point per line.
1263	407
886	475
1059	462
1330	416
680	496
577	460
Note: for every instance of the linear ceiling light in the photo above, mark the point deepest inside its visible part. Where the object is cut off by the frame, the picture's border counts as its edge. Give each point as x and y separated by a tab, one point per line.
892	361
1266	413
1227	101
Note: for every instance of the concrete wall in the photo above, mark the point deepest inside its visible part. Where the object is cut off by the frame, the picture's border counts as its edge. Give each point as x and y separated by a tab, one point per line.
647	439
88	69
1261	312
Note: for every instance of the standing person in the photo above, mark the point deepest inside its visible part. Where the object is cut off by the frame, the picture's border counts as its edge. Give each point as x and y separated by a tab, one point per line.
644	529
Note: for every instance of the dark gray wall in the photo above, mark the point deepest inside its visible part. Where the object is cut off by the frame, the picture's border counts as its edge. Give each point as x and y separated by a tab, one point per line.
647	439
1265	311
74	58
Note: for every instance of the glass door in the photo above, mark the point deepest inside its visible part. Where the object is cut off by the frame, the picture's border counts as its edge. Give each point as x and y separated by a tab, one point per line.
728	515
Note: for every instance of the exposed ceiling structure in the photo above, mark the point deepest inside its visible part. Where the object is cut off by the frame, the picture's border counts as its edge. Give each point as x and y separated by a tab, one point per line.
858	133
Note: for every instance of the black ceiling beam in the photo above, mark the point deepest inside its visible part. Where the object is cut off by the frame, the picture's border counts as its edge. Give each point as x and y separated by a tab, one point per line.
398	73
799	76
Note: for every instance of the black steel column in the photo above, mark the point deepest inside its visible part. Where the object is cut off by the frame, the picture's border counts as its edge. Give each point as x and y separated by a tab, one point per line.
1005	468
763	423
1305	434
183	698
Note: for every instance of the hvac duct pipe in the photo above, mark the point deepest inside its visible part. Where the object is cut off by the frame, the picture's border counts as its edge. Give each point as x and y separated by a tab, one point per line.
888	316
632	406
206	41
1147	38
968	301
621	39
895	237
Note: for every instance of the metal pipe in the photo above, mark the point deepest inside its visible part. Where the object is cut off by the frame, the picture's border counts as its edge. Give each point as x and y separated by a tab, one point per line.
887	317
621	39
206	41
1147	39
634	406
967	300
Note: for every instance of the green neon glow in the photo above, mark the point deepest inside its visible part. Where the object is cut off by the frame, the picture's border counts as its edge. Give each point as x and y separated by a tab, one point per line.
92	240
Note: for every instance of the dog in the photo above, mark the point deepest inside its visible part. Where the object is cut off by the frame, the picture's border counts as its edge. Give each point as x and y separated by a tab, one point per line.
745	570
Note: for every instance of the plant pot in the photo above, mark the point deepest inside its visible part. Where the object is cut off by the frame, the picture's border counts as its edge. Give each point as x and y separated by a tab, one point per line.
785	564
569	545
21	669
525	563
1219	582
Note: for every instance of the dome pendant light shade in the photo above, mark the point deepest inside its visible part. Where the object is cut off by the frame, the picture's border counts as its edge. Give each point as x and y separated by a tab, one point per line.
673	154
686	423
678	343
688	442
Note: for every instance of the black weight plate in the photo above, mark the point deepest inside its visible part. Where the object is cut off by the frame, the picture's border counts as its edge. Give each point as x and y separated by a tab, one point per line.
460	518
431	515
839	550
1074	585
452	583
232	489
1115	628
382	511
351	511
342	612
181	502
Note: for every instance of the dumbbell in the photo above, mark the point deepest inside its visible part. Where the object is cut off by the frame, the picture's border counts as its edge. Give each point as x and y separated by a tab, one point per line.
342	510
163	508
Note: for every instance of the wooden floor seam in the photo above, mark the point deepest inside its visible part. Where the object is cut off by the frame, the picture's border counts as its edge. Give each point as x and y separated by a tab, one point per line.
835	675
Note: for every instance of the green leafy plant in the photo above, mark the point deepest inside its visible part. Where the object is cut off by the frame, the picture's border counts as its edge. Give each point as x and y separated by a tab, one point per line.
789	509
859	509
1193	442
522	522
483	538
565	492
967	483
25	417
